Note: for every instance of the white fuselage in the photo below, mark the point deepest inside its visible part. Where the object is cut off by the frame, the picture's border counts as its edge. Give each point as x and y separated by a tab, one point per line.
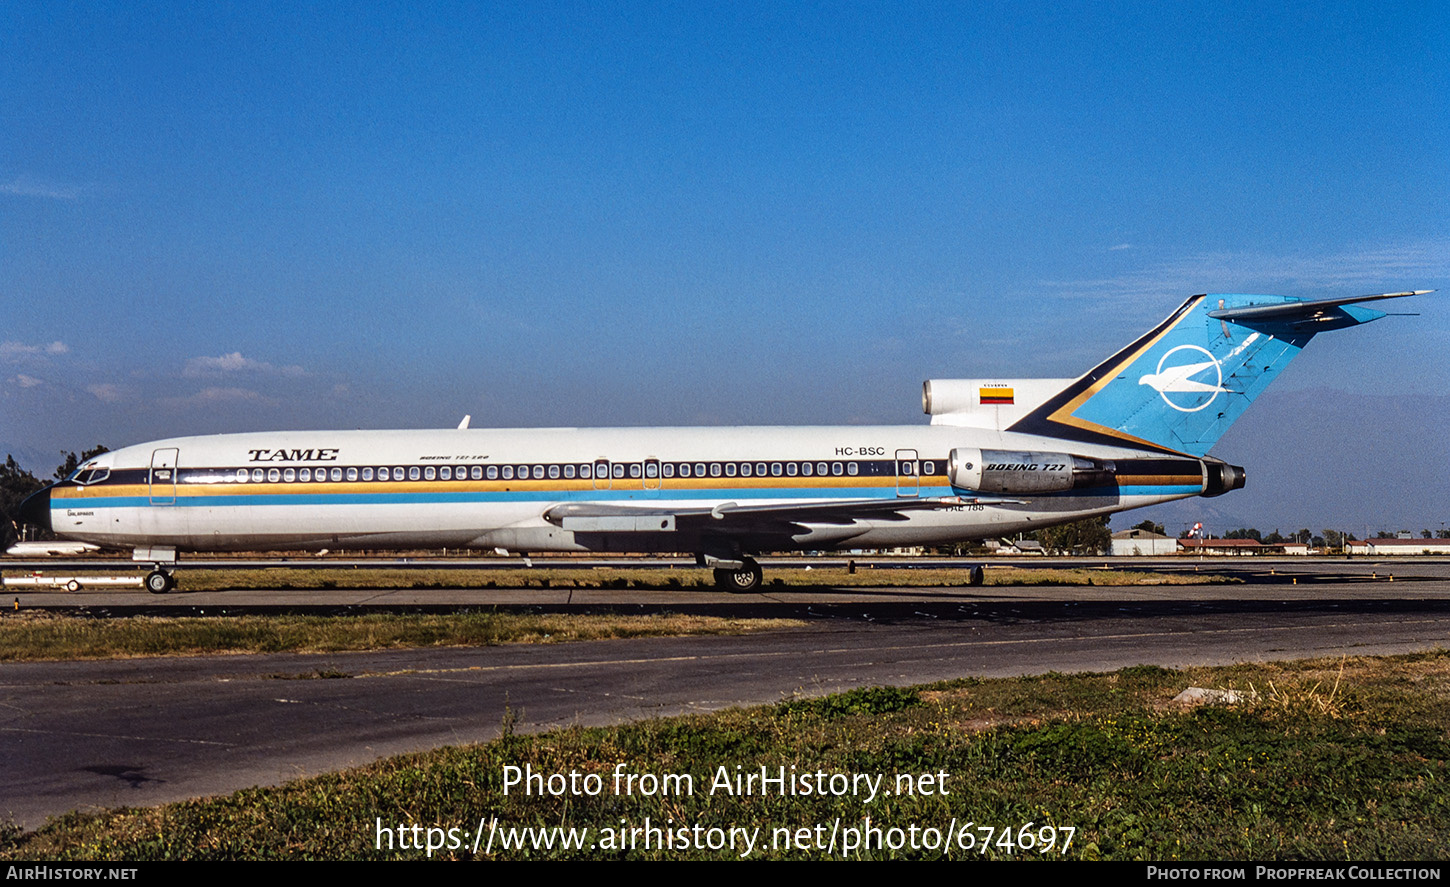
484	488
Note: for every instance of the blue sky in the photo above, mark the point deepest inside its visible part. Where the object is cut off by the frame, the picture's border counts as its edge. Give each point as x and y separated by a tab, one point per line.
224	217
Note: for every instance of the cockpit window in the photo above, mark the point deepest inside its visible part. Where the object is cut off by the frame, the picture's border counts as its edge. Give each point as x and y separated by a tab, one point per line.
89	474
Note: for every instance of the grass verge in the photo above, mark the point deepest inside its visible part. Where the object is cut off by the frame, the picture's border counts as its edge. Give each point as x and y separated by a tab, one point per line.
1325	760
35	635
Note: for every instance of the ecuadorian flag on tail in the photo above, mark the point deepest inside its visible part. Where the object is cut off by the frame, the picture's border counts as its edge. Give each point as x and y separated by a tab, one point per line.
1001	394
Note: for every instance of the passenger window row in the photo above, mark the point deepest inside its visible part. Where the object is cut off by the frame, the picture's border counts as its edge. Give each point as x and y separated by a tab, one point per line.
568	471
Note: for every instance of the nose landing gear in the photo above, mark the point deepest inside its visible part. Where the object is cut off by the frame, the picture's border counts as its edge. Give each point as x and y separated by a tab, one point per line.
158	581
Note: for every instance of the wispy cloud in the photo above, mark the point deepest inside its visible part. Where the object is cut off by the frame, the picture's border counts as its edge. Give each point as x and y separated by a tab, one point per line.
218	396
25	381
1367	270
199	367
13	351
107	392
26	186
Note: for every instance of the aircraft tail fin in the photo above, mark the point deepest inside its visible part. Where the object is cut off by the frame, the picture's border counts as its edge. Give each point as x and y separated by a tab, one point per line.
1182	384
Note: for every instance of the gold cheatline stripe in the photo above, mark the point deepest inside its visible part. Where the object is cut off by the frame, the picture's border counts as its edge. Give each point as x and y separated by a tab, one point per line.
1063	414
674	483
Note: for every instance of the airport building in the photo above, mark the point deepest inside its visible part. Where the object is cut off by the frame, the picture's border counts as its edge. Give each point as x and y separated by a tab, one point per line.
1142	543
1222	547
1391	547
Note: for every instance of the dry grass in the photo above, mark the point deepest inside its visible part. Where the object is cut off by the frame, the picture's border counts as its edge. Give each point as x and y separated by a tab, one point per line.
39	636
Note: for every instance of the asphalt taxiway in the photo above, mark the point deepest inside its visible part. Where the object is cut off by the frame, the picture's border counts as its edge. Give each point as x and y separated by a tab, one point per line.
146	731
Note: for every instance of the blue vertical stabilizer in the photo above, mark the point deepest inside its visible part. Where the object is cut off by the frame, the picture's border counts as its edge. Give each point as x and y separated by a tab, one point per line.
1180	386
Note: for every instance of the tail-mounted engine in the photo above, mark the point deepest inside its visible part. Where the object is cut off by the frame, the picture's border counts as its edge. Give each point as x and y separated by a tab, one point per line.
1221	477
1008	471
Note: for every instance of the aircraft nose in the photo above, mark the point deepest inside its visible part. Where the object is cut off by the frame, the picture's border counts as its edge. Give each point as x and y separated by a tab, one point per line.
36	509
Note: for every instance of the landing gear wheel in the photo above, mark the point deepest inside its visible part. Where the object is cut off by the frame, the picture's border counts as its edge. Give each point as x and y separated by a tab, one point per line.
975	576
741	581
73	585
159	582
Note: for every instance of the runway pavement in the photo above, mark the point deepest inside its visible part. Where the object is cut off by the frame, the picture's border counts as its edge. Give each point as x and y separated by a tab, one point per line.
141	732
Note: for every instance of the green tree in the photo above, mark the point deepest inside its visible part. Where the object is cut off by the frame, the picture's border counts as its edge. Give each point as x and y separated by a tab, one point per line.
15	484
1088	536
1150	527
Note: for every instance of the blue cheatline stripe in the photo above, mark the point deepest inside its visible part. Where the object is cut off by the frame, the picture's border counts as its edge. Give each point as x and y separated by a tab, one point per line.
464	497
625	496
640	496
1182	490
1132	490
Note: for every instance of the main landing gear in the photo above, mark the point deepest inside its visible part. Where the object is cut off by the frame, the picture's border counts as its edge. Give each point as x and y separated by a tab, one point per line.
159	581
747	576
739	580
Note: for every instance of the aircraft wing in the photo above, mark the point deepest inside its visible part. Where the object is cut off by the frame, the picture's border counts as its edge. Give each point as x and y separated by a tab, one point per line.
732	517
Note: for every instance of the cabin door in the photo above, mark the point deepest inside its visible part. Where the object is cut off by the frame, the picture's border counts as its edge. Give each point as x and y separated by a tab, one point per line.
908	474
163	476
653	478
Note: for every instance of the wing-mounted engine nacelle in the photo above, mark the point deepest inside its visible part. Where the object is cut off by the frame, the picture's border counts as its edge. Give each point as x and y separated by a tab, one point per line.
1010	471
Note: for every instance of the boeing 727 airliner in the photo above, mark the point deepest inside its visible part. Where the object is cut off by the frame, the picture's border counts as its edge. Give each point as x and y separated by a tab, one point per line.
1000	456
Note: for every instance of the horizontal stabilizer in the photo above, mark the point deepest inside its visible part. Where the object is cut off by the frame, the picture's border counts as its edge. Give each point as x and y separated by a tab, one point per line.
1292	311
